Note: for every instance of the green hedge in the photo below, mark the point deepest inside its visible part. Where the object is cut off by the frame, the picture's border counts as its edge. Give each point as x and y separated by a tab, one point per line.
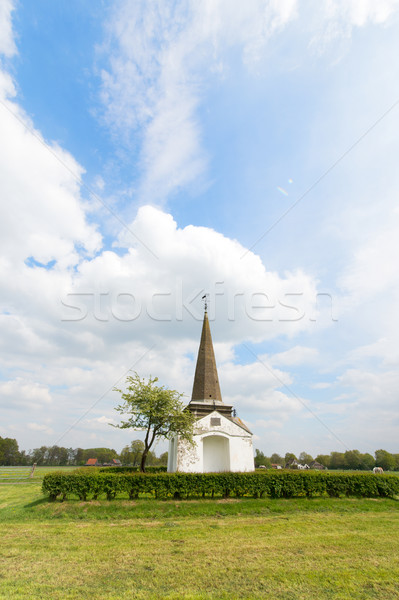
158	469
275	484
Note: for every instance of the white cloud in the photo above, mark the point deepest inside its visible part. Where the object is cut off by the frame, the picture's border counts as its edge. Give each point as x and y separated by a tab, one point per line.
79	360
163	58
359	12
99	423
40	428
298	355
156	77
7	44
41	215
158	294
21	392
322	385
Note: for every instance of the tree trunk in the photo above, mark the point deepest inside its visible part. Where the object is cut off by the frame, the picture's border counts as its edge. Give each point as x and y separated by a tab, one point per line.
143	459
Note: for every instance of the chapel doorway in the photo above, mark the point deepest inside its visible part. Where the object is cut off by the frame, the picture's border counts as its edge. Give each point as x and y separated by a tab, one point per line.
216	454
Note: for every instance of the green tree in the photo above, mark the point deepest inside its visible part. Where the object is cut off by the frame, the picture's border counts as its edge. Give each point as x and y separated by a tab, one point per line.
337	460
289	456
157	411
151	460
276	459
39	455
368	462
57	456
24	459
77	457
305	458
353	460
136	449
163	459
324	459
259	458
131	455
103	455
9	452
385	460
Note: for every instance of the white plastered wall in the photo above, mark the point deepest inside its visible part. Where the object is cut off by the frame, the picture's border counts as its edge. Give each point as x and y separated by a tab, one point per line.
225	447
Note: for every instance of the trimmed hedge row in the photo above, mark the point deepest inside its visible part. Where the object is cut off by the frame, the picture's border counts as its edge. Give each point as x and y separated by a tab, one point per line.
275	484
158	469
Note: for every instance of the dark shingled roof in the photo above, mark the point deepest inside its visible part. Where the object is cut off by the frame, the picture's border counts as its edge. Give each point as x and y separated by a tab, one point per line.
206	381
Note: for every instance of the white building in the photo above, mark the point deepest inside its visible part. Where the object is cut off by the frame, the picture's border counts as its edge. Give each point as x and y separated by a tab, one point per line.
222	442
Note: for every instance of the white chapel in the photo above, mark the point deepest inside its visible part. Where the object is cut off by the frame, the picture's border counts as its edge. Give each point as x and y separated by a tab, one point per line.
222	442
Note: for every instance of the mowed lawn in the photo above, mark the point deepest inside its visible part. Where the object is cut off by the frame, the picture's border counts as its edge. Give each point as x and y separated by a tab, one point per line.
285	549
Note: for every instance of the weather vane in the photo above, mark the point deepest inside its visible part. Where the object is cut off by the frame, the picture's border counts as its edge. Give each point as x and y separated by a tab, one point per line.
205	299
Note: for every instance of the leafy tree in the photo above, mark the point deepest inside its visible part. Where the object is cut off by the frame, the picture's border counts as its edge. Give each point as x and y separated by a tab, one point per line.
137	449
288	457
352	459
9	452
103	455
163	459
131	455
151	460
126	456
385	460
276	459
77	457
368	462
337	460
38	455
324	459
259	458
24	459
57	456
153	409
305	458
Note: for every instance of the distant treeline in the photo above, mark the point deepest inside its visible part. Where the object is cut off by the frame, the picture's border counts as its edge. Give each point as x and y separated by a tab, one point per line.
350	460
58	456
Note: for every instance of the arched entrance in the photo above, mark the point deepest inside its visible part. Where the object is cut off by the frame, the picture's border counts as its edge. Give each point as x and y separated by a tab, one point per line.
216	454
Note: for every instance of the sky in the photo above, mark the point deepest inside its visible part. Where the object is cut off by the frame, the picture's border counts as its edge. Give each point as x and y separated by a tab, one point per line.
154	151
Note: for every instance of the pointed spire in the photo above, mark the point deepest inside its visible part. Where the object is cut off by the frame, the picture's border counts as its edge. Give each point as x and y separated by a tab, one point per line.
206	381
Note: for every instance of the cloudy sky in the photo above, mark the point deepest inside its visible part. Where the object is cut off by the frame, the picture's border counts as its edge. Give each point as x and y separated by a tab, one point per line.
153	151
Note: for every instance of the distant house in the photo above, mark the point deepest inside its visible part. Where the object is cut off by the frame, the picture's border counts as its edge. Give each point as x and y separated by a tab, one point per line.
274	466
316	465
115	462
292	464
92	462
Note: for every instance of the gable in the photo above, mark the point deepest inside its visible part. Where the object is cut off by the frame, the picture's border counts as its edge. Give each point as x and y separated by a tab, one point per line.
215	421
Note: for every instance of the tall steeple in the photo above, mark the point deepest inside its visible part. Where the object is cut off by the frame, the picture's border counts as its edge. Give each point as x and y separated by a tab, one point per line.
222	442
206	381
206	396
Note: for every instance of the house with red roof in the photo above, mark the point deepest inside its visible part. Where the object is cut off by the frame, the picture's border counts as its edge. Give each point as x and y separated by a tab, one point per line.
92	462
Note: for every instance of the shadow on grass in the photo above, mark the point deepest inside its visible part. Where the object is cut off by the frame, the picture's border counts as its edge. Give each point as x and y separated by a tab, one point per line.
37	502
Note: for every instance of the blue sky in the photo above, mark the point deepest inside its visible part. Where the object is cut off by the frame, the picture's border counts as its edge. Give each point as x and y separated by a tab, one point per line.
151	151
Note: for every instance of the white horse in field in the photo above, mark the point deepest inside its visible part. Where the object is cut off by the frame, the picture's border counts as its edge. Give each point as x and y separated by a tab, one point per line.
378	470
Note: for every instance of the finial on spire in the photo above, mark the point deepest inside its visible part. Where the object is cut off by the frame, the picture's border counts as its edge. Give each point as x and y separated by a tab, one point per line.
205	299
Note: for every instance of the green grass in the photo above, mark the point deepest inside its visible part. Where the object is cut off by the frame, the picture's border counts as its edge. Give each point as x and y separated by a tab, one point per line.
198	549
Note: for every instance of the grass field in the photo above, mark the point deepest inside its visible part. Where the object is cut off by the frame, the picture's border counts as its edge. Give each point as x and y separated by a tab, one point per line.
276	549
